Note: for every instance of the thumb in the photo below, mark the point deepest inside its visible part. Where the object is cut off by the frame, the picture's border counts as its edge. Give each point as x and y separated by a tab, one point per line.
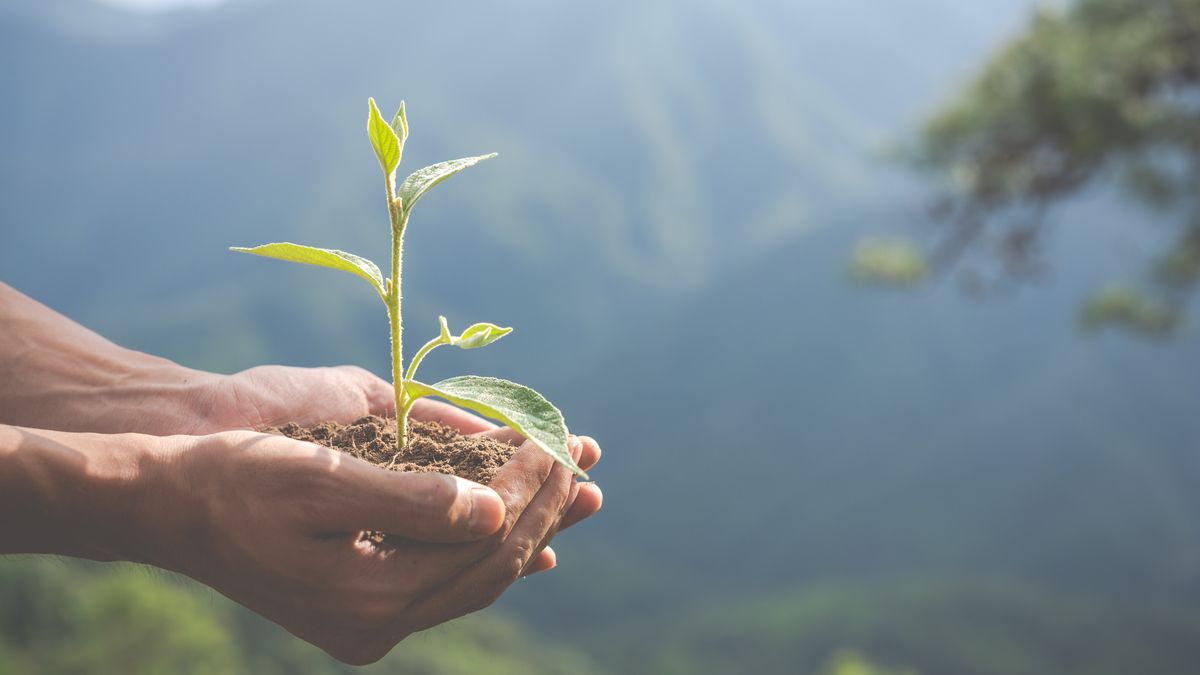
431	507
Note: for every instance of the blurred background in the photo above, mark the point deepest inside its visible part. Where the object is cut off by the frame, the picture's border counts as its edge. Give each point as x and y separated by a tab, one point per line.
881	311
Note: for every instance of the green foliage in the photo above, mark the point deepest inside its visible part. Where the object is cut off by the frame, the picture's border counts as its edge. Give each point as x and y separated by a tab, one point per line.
122	621
517	406
138	625
478	335
322	257
400	126
384	138
945	627
1102	88
74	618
483	645
474	337
849	662
1083	87
892	263
422	181
1129	308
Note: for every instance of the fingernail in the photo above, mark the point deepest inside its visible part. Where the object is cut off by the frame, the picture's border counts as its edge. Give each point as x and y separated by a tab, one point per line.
487	511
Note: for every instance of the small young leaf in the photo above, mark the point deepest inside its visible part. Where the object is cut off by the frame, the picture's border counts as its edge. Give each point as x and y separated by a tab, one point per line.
476	336
400	126
422	180
322	257
383	139
479	335
517	406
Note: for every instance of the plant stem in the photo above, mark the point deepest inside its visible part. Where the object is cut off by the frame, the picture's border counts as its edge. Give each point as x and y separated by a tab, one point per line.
416	360
398	221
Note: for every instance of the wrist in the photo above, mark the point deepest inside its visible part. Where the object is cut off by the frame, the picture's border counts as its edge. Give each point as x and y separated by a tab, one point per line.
111	391
101	497
158	397
59	375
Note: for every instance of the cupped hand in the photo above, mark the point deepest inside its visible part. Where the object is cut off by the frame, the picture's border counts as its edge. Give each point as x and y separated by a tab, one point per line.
275	395
278	528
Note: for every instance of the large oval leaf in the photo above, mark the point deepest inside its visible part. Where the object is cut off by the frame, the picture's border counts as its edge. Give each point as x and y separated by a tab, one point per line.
422	180
517	406
322	257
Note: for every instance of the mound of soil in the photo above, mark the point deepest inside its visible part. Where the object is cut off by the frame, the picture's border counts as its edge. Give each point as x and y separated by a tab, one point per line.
431	446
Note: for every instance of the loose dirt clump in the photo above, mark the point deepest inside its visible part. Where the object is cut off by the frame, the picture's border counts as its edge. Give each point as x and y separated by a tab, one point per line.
431	446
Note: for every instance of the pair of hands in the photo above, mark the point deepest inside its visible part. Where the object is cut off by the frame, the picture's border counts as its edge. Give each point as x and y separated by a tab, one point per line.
114	454
290	515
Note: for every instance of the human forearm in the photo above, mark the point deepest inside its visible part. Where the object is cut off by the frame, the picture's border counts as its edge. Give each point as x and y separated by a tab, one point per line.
56	374
101	497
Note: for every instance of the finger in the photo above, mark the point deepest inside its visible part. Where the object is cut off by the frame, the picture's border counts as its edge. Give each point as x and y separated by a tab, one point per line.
517	483
429	410
430	507
520	480
379	394
503	434
537	525
591	453
554	528
587	503
482	583
546	559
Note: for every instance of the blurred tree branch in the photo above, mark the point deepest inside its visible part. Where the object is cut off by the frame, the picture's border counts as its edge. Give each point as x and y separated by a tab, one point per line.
1102	90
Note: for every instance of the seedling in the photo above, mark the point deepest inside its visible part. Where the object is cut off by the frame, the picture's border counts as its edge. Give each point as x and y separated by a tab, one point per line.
517	406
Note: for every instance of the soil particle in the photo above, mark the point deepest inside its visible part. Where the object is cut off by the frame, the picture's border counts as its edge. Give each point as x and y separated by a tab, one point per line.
431	446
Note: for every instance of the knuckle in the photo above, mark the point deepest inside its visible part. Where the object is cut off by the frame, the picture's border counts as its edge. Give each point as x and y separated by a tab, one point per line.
516	560
357	372
512	569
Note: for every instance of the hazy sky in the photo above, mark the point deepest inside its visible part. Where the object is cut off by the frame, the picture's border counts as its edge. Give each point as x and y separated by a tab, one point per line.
158	5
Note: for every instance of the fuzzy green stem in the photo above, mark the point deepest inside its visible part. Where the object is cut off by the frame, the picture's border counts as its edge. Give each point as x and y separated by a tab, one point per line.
420	355
398	221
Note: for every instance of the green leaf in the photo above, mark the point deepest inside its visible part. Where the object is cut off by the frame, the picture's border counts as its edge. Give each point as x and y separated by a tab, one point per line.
400	126
383	139
479	335
322	257
517	406
422	180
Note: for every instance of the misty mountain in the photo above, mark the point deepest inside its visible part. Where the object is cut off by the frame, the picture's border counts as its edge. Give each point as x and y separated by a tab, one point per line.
886	434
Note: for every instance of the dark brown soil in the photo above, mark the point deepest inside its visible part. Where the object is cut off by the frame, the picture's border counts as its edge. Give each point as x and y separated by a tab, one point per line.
431	446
